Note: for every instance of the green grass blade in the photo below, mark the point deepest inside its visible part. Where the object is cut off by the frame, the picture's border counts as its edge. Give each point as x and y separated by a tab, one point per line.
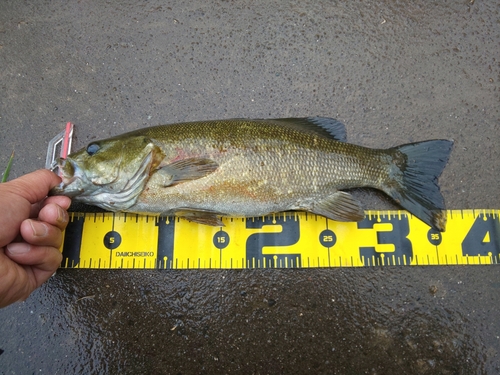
7	170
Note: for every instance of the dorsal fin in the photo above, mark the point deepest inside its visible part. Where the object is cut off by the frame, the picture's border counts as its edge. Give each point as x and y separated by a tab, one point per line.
324	126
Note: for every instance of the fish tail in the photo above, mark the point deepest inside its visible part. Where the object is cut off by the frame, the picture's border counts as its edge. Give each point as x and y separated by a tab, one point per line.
413	183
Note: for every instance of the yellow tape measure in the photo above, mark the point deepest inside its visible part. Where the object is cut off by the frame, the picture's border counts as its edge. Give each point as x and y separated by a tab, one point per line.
287	240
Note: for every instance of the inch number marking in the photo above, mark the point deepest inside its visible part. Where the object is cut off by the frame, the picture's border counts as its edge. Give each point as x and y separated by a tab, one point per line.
483	238
289	235
396	237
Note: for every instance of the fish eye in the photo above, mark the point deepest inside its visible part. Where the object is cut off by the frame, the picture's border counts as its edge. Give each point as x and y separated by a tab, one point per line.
93	148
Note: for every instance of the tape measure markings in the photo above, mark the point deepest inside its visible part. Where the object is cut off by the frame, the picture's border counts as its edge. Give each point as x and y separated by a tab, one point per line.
288	240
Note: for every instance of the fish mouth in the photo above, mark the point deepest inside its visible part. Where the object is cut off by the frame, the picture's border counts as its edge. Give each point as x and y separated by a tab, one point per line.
73	180
76	184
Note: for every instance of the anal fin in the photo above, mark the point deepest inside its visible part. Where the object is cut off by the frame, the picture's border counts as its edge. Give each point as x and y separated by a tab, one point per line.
340	206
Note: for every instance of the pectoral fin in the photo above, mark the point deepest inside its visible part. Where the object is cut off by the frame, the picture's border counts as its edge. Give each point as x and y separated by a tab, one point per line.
340	206
186	170
201	216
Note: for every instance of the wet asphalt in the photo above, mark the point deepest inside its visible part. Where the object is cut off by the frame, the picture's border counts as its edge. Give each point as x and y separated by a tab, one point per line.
393	72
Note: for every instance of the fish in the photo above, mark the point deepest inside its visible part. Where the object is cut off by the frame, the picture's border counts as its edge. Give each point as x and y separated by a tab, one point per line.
205	170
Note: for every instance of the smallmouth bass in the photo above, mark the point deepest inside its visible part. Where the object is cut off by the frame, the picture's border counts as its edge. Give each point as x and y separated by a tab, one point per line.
207	169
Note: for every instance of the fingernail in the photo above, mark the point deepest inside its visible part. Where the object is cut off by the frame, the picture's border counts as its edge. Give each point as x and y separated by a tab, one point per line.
18	248
62	216
39	229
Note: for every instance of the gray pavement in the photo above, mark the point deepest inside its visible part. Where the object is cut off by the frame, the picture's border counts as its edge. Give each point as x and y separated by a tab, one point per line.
393	72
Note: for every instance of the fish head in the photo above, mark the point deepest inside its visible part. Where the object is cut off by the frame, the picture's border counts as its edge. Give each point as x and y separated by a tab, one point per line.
110	173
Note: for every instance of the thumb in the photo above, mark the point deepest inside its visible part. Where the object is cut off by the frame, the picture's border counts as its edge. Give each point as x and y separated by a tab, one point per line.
33	186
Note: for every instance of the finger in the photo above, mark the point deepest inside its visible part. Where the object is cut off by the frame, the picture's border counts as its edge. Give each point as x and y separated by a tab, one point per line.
53	214
44	258
34	186
15	284
40	233
60	200
35	209
33	265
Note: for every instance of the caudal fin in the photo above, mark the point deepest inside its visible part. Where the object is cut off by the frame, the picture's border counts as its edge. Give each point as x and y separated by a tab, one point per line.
415	184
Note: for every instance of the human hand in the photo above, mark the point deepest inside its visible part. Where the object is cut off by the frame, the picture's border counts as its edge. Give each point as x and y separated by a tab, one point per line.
31	228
